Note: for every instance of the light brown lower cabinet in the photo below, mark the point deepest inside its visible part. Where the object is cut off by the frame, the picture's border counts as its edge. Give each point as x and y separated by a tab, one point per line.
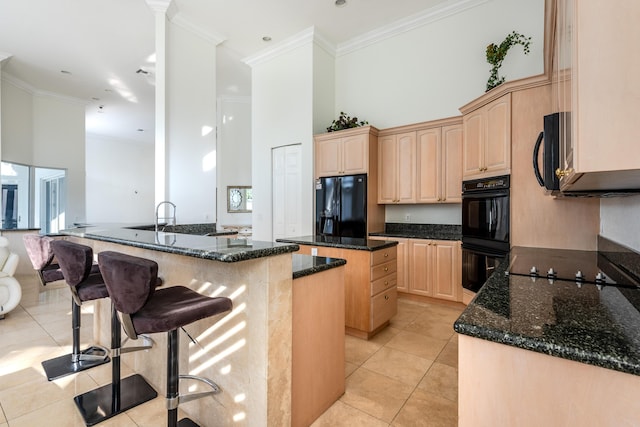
403	261
435	269
317	365
430	268
370	293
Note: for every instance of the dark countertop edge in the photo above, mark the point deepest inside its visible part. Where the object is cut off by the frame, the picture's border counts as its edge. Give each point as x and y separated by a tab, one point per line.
379	244
427	236
196	253
328	265
6	230
548	348
536	344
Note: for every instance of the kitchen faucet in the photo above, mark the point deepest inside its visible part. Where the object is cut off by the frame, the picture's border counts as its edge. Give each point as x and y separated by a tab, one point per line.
172	218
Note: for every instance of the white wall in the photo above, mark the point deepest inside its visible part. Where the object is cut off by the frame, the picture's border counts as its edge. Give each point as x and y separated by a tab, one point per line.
282	112
120	181
429	72
191	112
46	131
619	220
234	153
17	123
59	142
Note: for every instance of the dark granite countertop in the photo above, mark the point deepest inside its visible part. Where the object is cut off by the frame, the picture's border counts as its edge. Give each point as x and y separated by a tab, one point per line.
219	249
306	265
583	324
358	244
421	231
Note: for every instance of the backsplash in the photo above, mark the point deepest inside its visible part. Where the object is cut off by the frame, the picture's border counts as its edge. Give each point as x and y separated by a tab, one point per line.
625	258
423	229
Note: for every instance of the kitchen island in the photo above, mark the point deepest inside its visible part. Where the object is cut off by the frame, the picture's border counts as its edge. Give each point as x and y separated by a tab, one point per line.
370	277
537	352
249	352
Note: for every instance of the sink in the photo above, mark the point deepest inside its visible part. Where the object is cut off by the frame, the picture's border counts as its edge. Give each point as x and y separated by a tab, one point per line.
197	229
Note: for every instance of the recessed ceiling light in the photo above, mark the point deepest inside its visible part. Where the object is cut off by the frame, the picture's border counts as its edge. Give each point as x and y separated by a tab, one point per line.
266	39
340	3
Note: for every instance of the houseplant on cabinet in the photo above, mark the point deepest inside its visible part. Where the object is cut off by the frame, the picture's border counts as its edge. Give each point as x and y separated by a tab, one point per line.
345	122
496	54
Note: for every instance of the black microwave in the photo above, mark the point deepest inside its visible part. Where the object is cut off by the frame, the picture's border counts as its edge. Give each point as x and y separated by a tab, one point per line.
550	139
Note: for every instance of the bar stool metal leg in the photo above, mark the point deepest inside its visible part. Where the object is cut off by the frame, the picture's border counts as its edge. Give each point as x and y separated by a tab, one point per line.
78	360
122	394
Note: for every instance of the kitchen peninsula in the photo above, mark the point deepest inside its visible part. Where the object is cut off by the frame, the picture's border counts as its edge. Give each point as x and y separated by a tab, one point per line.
249	352
536	351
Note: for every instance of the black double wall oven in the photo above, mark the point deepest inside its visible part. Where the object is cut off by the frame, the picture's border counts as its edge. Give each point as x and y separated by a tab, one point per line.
485	228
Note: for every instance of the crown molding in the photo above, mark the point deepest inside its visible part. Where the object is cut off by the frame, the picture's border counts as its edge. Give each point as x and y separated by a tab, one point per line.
4	57
209	36
310	35
32	90
163	6
425	17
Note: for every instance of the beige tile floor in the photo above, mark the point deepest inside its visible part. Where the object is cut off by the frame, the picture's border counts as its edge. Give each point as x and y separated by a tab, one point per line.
407	375
404	376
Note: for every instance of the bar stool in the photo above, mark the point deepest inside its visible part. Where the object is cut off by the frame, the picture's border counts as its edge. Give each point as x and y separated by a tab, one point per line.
76	263
41	256
143	309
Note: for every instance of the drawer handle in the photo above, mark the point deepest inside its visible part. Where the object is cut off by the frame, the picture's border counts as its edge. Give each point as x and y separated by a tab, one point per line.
386	269
386	297
386	254
386	283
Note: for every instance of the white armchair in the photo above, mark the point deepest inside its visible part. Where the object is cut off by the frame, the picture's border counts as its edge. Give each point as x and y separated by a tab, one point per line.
10	290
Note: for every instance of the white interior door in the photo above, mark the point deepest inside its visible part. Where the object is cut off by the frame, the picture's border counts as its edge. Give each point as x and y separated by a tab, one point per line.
287	191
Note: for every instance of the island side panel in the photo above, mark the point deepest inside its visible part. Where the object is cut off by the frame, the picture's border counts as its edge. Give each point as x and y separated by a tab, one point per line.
501	385
318	344
247	353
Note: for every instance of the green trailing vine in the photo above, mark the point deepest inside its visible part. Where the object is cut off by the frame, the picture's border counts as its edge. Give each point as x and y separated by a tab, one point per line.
496	54
345	122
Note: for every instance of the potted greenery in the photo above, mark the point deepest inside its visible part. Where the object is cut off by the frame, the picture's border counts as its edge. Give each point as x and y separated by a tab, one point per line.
345	122
496	54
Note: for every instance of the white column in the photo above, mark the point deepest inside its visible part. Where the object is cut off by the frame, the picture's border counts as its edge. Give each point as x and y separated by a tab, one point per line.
160	8
3	57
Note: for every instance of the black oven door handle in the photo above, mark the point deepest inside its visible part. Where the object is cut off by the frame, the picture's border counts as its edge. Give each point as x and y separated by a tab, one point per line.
536	166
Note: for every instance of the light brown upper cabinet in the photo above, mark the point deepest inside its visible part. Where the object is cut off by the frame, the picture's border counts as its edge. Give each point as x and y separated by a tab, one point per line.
397	167
421	163
486	148
439	155
345	152
595	79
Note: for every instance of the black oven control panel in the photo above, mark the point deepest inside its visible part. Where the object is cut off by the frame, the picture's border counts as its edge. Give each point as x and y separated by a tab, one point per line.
486	184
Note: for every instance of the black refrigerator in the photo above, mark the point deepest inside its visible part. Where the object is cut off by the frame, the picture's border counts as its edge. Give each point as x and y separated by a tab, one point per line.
341	206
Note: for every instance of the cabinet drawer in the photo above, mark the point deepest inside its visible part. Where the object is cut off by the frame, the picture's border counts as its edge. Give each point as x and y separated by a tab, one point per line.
381	270
384	283
383	255
383	307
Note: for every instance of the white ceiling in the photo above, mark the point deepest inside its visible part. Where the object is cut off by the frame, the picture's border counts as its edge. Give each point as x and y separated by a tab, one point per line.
103	43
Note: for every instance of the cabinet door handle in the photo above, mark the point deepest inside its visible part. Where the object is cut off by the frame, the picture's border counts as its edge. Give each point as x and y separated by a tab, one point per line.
386	297
386	269
386	283
386	254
